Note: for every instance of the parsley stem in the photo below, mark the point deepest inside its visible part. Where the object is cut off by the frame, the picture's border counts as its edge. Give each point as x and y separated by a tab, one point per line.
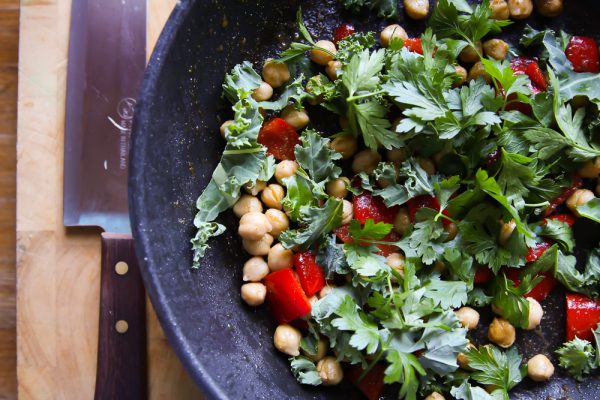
245	151
542	204
375	360
364	96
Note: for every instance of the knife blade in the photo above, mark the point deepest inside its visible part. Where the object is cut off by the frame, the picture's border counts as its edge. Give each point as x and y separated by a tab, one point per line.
107	43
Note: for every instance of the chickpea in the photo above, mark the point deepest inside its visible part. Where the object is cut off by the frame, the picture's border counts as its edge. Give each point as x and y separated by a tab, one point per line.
427	165
258	247
347	212
396	261
470	54
325	291
254	225
332	69
462	75
279	221
579	198
256	188
468	317
506	231
536	312
279	258
462	359
321	57
452	230
365	161
549	8
346	145
435	396
338	187
287	340
401	221
247	204
272	196
396	155
330	371
502	332
390	32
285	169
478	71
540	368
275	73
322	346
520	9
255	269
223	128
496	49
263	92
254	293
590	169
416	9
296	118
499	9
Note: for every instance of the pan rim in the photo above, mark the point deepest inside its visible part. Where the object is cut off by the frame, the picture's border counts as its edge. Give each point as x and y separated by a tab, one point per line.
137	201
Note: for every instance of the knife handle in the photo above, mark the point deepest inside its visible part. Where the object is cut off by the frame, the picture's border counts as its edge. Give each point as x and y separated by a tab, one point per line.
121	371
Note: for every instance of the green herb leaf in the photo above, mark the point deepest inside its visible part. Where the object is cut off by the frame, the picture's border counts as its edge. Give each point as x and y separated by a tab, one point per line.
316	157
315	223
467	392
590	210
495	367
305	371
510	300
242	77
577	357
332	259
370	230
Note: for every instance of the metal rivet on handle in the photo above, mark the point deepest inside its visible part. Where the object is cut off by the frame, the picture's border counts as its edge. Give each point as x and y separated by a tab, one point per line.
121	268
121	326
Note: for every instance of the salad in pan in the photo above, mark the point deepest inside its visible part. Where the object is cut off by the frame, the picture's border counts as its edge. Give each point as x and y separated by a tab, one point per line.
450	186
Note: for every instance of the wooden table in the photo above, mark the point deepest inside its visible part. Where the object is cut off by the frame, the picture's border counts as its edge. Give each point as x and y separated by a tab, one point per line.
58	272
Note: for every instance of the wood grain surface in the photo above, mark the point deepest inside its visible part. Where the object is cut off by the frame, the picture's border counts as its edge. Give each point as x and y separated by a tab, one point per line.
9	39
58	271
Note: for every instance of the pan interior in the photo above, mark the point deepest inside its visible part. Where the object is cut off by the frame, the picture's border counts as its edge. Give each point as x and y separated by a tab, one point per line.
226	345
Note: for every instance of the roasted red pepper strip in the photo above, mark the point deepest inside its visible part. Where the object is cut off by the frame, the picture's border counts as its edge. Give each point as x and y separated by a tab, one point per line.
343	234
279	138
285	296
309	272
575	184
367	207
568	219
583	54
583	315
419	202
536	75
414	45
535	252
483	275
541	290
342	31
529	66
387	249
372	384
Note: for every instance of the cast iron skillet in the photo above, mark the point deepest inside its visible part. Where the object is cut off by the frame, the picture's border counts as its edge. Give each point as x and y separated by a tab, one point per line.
225	345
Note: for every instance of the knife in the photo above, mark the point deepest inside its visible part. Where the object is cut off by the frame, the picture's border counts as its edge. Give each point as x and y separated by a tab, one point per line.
107	43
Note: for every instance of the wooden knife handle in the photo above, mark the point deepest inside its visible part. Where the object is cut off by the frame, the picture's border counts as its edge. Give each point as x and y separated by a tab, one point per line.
122	371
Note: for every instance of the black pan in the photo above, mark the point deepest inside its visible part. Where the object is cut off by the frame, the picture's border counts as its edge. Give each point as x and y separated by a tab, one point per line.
225	345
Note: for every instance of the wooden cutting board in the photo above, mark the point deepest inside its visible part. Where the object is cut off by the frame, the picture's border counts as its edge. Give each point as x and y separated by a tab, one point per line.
58	272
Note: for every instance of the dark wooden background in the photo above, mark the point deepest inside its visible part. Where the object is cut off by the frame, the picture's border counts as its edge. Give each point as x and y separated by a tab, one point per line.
9	39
